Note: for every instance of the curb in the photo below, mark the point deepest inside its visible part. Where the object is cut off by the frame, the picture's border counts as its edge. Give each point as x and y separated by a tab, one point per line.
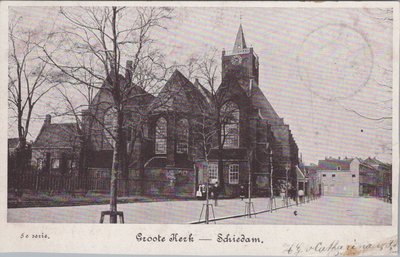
241	215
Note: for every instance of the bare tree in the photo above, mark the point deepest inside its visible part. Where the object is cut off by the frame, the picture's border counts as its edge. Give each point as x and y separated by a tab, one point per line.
216	117
75	100
98	39
29	79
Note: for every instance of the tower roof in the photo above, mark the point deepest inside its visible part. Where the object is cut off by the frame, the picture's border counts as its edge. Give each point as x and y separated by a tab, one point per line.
240	43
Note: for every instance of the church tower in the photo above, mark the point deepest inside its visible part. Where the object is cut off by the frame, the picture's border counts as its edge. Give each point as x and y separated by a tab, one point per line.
241	60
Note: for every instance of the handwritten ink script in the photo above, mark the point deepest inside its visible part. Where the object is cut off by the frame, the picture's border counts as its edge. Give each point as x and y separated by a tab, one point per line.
336	248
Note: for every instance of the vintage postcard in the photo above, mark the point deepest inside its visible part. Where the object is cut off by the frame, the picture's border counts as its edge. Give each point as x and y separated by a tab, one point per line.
200	128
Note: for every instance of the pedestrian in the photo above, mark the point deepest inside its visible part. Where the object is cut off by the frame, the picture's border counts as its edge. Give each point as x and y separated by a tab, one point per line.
18	193
292	193
204	191
283	195
216	193
199	193
301	195
242	192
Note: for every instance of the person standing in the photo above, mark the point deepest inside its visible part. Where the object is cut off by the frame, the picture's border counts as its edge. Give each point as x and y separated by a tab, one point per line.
242	192
301	196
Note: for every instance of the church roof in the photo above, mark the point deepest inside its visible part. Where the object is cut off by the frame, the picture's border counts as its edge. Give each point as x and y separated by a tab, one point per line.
179	94
240	43
134	95
267	111
204	91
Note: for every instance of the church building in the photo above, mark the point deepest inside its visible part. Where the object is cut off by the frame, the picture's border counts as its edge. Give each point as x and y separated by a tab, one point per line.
165	150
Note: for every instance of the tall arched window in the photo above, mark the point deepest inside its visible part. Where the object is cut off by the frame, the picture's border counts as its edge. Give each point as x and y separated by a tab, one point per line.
230	125
182	136
161	136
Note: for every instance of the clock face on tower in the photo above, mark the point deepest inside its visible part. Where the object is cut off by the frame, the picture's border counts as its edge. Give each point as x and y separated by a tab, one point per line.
236	60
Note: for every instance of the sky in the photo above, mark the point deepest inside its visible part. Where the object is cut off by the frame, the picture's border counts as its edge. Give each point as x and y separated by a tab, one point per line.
322	69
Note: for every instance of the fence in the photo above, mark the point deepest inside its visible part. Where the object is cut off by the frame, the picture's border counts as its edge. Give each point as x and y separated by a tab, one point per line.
43	182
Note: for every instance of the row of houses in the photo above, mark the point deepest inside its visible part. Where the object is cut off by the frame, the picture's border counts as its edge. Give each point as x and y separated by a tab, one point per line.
349	177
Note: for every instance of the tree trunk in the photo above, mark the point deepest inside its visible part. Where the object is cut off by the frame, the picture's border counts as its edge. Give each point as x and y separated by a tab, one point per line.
116	168
22	156
142	183
124	165
82	157
220	161
83	162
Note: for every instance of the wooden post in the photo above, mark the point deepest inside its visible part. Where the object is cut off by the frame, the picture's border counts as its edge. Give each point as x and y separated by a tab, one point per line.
297	190
37	182
207	202
286	187
271	182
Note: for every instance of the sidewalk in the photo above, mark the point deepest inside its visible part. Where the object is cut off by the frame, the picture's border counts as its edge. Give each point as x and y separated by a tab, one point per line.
169	212
323	211
326	211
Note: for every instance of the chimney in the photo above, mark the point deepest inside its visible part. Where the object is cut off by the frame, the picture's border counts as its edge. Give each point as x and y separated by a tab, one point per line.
128	70
47	120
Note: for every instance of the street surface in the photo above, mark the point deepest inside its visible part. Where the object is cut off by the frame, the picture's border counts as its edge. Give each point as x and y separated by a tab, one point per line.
326	211
323	211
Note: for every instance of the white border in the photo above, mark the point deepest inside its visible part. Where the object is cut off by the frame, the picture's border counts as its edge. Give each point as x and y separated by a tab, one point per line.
96	238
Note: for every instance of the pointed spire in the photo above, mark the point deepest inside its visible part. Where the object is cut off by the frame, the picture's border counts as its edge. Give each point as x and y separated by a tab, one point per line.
240	43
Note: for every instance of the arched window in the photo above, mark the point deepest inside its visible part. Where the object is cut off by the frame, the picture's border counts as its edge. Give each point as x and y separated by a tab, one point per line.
161	136
230	125
182	136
